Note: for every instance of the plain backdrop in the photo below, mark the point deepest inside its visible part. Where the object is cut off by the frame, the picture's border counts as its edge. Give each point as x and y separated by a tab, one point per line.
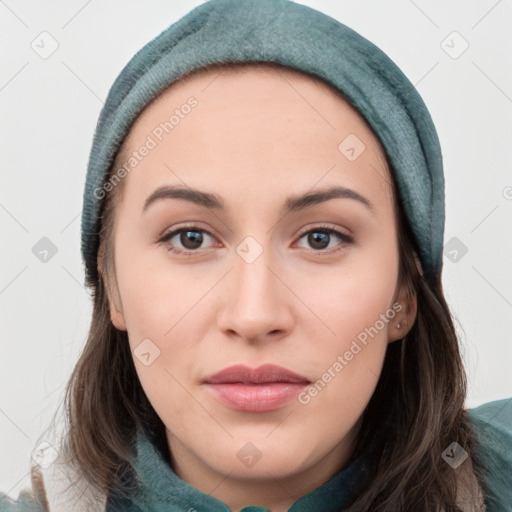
49	109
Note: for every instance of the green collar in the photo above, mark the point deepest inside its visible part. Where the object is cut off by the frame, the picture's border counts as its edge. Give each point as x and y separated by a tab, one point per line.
163	490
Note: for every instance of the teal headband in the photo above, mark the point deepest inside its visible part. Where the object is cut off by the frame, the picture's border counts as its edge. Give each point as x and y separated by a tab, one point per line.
299	37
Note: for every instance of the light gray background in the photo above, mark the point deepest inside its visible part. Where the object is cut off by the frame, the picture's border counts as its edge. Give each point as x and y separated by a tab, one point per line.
49	109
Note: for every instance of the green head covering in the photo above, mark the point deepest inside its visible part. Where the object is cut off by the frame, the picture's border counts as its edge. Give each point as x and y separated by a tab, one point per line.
302	38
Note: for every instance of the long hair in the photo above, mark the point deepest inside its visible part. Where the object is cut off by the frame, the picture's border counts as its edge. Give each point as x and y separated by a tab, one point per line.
415	413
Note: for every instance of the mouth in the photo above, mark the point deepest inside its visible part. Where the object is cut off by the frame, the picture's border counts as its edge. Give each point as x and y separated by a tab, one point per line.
265	388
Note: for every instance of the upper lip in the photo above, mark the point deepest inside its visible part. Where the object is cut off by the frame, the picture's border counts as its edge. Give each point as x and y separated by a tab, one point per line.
263	374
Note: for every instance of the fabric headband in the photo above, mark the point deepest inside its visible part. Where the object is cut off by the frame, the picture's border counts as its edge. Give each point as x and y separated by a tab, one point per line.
299	37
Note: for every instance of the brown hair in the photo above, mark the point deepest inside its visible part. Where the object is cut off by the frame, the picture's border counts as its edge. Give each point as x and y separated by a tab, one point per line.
415	413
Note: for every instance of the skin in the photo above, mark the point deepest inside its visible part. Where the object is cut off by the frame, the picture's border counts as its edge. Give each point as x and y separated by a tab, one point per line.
254	139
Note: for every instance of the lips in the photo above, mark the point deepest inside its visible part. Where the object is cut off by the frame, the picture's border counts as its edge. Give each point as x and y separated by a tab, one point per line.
265	374
263	389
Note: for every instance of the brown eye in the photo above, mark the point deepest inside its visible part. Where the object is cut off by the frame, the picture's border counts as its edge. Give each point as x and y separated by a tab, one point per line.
320	238
188	239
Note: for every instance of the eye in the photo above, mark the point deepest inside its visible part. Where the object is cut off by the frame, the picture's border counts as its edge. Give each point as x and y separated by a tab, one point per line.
320	237
190	238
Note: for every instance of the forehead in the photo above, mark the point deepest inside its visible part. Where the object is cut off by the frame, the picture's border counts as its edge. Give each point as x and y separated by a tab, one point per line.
252	88
266	122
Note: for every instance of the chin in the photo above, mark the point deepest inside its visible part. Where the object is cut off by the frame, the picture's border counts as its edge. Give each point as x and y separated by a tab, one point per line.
260	459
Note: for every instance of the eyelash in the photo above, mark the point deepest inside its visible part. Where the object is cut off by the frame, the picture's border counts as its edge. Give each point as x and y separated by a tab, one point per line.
345	239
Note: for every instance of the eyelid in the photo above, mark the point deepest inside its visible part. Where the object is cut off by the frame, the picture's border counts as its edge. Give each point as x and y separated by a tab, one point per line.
326	227
191	226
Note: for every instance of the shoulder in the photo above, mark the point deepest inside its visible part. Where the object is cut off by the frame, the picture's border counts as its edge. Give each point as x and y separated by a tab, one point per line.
55	488
29	500
491	424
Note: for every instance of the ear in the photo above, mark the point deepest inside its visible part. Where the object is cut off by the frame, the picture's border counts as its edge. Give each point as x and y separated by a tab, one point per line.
114	300
117	316
406	306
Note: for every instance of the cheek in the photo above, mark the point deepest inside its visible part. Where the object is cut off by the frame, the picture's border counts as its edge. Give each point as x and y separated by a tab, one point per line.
355	308
351	297
154	294
163	306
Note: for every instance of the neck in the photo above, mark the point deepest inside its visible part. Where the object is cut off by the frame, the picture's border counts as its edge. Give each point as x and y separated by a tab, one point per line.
262	488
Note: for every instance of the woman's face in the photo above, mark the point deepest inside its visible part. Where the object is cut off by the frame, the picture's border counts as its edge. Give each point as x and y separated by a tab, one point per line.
258	280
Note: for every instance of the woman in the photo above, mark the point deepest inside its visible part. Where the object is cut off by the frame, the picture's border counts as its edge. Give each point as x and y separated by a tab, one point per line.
262	232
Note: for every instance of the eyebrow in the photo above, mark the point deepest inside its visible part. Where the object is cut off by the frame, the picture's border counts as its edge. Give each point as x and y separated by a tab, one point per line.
292	204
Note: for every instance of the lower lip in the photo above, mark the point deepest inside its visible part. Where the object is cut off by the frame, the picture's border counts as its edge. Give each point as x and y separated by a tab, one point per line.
256	397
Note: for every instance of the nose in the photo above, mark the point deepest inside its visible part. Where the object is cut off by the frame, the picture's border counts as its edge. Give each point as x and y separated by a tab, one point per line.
257	304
